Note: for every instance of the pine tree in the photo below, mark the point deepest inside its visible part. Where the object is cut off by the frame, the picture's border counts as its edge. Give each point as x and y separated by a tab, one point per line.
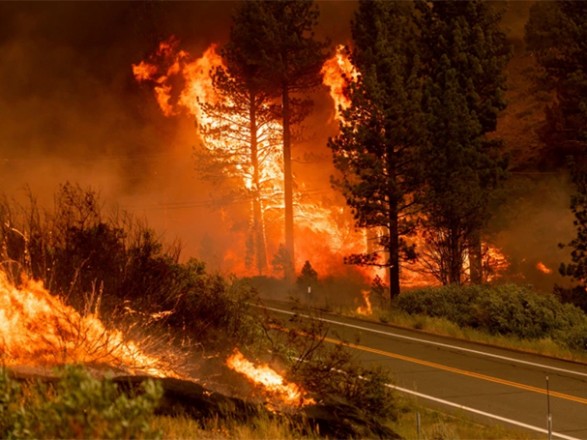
243	123
556	34
577	269
464	52
280	42
375	150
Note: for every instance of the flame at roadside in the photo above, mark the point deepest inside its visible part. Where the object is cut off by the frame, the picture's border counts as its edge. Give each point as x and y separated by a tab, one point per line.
272	382
39	329
365	309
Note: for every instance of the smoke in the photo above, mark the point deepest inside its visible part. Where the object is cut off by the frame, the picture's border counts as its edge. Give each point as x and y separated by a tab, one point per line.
70	109
531	224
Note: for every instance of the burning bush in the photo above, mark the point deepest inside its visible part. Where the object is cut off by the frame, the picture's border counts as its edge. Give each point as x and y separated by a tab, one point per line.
122	265
330	373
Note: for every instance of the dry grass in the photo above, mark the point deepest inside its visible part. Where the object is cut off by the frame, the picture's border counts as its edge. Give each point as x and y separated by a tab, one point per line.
434	425
438	425
260	428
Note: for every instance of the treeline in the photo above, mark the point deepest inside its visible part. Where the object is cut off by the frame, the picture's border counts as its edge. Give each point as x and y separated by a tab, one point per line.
418	151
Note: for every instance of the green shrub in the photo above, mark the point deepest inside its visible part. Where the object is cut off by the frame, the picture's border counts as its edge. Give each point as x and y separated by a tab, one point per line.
505	310
76	406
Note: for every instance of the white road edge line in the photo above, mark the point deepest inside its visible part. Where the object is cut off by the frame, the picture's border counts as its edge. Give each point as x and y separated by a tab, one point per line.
479	412
438	344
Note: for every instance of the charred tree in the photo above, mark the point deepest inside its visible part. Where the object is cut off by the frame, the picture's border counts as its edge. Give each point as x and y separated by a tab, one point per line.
375	152
464	52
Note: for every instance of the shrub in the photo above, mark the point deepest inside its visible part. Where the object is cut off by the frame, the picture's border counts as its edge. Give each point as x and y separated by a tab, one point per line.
77	406
332	374
505	310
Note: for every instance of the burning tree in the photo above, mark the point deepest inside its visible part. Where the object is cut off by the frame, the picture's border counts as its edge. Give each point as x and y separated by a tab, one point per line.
244	129
278	40
375	151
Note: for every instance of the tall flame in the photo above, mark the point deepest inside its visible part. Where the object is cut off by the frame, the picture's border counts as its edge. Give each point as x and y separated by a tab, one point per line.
337	73
272	382
37	328
181	83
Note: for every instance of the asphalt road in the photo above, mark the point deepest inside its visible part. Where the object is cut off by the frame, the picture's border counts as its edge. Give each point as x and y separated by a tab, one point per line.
498	385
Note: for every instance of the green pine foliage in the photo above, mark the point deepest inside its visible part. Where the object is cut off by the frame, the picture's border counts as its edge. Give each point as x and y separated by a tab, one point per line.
577	268
556	33
464	53
375	150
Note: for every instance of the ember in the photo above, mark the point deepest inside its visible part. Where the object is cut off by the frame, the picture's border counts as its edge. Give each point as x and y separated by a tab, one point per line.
543	268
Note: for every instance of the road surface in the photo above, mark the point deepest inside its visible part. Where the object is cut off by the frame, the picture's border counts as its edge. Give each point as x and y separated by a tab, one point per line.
504	386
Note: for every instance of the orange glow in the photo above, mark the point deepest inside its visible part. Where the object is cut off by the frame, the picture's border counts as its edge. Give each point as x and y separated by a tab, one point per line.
271	381
37	328
337	72
543	268
366	308
324	231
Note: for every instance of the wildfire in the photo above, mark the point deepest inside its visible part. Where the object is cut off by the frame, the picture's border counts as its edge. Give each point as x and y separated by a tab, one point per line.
337	72
272	382
37	328
166	65
325	232
543	268
184	83
365	309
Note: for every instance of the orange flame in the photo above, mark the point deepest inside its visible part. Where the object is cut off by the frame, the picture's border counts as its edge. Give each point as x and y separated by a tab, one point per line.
324	232
366	308
543	268
337	72
269	379
37	328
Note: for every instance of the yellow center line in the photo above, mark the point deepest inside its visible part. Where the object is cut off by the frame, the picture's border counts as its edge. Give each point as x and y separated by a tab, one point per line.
460	371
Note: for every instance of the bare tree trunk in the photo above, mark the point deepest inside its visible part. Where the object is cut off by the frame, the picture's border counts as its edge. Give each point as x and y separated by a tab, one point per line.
288	184
258	226
393	248
475	258
455	255
394	284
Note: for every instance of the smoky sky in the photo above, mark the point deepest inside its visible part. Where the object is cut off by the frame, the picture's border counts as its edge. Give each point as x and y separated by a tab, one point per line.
70	109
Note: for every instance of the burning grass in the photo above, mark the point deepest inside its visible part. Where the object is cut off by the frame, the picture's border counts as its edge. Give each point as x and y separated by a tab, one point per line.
39	329
277	388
